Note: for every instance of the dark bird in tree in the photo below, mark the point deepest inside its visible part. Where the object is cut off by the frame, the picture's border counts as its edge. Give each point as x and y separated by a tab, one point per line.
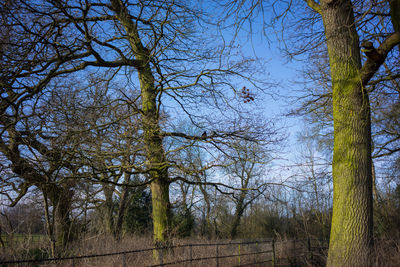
204	135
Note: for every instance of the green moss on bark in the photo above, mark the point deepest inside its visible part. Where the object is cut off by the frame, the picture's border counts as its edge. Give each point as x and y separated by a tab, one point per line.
351	232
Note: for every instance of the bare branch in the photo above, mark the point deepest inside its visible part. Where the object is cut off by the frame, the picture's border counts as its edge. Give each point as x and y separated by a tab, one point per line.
314	5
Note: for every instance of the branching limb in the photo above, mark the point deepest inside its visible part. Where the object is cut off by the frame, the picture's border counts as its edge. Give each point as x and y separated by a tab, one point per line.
314	5
376	57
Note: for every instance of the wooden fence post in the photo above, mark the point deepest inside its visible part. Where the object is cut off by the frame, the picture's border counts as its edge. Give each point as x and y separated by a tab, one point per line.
273	252
217	256
191	254
161	255
239	254
294	257
257	249
124	259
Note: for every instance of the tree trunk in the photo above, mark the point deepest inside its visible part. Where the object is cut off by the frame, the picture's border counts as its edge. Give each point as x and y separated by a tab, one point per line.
155	156
49	226
209	224
153	143
207	212
122	208
351	232
238	215
235	224
108	208
375	192
395	14
61	199
161	211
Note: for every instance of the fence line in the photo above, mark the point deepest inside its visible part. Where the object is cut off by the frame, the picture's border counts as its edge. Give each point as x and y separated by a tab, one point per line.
191	259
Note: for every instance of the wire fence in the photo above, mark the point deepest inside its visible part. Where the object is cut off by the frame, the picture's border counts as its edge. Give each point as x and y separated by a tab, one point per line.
241	253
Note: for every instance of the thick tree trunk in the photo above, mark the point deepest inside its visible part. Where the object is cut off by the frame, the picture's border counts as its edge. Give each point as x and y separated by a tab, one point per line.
61	199
155	154
108	208
161	211
351	232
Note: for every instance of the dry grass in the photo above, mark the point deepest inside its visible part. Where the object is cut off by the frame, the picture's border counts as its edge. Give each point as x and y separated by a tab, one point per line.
291	252
387	252
287	252
103	244
181	252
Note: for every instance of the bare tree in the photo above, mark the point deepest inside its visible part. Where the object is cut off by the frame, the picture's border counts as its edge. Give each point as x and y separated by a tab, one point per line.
246	164
158	48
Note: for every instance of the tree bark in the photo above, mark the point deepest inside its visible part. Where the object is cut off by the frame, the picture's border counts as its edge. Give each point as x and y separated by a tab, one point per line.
123	203
108	208
240	207
155	155
153	143
237	217
395	15
61	199
351	233
207	212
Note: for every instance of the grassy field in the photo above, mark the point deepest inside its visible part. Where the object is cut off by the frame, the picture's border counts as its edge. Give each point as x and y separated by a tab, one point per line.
23	237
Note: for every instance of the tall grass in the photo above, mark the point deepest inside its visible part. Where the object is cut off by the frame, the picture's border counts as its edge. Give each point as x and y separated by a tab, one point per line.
287	252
